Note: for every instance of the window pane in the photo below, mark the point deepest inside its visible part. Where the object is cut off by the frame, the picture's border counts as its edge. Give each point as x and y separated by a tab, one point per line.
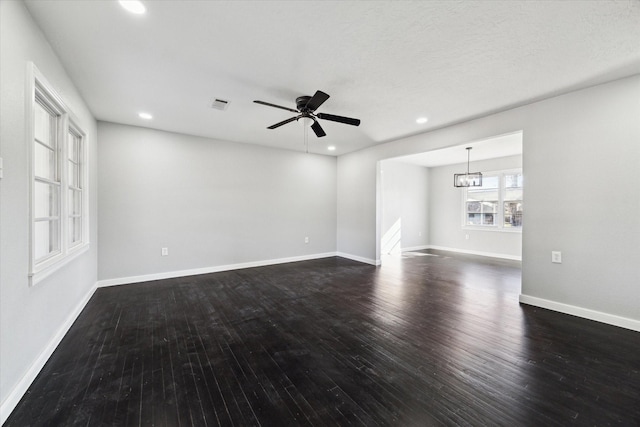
490	182
47	240
75	202
490	207
45	200
487	219
75	230
74	154
74	174
43	125
44	162
473	206
513	180
513	214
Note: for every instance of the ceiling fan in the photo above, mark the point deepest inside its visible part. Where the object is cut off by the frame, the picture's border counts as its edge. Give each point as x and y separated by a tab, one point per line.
306	107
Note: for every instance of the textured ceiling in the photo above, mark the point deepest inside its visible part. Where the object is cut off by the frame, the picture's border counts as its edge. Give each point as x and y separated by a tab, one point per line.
386	63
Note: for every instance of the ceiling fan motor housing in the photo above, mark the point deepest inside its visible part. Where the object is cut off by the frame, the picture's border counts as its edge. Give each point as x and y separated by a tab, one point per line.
301	103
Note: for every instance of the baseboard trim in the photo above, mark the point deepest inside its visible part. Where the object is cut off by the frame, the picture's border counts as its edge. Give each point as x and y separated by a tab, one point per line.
358	258
23	385
598	316
480	253
207	270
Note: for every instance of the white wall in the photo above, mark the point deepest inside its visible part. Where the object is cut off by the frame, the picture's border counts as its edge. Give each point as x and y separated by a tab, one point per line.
580	156
445	215
211	203
405	206
33	318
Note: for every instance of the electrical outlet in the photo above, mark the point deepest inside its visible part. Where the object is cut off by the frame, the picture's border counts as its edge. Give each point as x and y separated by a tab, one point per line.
556	257
306	240
466	236
165	251
419	233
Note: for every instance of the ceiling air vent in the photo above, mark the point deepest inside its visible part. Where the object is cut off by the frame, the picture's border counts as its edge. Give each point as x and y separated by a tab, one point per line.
219	104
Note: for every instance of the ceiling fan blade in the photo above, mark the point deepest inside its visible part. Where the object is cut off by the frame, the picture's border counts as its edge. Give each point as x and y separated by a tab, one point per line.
277	125
317	100
318	129
339	119
276	106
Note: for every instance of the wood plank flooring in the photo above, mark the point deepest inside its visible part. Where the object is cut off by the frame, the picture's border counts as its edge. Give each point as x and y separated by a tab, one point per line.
431	338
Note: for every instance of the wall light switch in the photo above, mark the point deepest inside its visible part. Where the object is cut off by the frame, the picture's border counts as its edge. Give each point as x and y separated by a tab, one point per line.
165	251
556	257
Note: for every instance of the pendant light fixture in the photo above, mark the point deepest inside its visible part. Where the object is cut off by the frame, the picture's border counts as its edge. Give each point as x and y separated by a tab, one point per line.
469	179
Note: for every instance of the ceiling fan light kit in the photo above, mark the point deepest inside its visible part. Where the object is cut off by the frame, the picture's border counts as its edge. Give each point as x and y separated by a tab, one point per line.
306	107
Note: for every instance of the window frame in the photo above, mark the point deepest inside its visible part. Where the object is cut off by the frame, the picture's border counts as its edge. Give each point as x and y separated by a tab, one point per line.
39	90
74	129
498	225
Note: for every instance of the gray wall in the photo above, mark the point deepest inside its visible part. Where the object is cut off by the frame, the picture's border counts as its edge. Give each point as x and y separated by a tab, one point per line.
445	215
405	198
31	316
580	157
212	203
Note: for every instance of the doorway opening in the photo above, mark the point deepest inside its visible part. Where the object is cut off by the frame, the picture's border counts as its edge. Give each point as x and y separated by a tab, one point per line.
418	207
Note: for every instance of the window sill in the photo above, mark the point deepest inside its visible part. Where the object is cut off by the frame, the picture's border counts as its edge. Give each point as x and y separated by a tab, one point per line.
39	275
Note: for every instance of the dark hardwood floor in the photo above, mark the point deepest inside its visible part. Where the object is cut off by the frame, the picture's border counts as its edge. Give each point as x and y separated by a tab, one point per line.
436	339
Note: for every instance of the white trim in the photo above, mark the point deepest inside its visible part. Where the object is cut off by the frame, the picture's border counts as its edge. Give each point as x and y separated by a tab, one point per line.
23	385
359	258
598	316
481	253
207	270
45	272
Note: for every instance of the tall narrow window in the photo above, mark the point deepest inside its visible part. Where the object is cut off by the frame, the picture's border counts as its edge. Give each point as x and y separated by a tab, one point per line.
59	220
47	198
75	185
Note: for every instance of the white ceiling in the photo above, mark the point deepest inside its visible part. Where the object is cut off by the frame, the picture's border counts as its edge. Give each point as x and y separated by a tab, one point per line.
384	62
499	146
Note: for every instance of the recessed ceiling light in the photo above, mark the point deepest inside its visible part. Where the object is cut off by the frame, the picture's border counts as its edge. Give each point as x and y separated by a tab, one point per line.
145	116
331	148
422	120
133	6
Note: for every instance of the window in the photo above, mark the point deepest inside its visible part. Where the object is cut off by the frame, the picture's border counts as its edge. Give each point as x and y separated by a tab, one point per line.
75	185
46	200
497	204
512	200
58	187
